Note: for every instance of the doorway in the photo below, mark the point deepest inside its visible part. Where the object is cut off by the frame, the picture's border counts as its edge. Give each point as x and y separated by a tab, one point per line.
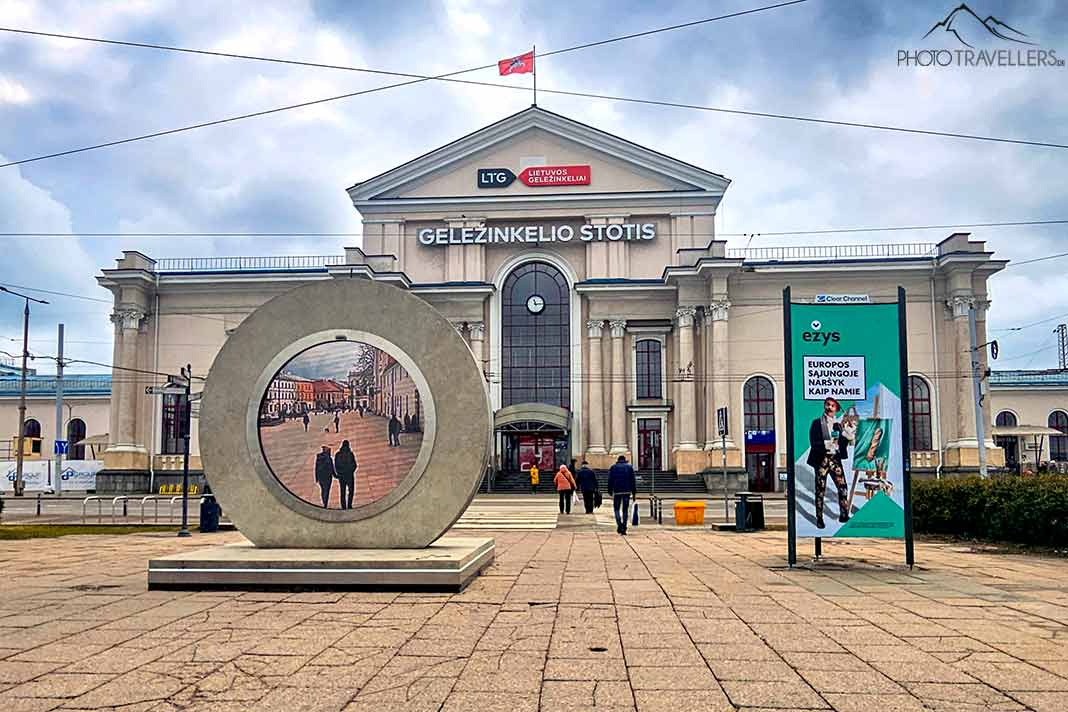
650	443
761	471
1011	447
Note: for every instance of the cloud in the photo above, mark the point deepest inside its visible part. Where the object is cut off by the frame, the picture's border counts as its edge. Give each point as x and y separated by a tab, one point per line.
288	171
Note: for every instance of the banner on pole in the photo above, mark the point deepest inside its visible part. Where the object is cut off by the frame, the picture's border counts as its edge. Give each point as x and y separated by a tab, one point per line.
846	403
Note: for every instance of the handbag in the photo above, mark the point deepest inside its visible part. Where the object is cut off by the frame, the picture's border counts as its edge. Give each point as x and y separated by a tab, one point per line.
598	500
634	520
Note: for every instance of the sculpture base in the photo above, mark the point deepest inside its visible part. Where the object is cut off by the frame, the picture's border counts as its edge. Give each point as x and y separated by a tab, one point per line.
448	564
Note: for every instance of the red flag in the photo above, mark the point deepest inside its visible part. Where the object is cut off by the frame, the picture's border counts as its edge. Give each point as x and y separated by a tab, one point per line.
523	64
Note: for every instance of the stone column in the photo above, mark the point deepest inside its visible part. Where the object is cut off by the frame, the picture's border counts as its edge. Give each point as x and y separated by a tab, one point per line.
685	414
619	389
959	306
128	324
595	436
476	330
720	386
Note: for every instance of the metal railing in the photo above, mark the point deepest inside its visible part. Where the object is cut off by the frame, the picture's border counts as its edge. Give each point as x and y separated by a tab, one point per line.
247	264
801	253
99	508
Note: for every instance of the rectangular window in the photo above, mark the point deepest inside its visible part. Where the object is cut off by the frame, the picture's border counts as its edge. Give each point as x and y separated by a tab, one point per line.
647	369
175	424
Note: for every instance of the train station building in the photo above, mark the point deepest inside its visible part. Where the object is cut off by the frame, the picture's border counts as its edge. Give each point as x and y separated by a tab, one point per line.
585	273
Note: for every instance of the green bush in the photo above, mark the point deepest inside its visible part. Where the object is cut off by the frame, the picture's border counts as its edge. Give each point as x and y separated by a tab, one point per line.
1030	509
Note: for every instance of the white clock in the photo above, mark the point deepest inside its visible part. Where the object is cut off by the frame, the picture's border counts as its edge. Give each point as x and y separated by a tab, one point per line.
535	304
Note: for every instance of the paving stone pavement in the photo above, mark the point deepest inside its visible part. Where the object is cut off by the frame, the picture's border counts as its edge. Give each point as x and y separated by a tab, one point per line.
564	620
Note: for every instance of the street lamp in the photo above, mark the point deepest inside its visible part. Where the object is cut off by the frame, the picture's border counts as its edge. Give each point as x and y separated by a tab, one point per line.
20	484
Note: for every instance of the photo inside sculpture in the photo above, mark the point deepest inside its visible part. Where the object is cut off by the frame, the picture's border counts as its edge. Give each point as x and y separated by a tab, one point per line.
341	424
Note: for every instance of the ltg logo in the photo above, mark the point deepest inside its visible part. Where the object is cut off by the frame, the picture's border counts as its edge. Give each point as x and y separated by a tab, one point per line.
819	337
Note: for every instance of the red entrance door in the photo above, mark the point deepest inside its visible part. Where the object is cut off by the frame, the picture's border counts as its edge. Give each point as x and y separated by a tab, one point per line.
533	449
649	443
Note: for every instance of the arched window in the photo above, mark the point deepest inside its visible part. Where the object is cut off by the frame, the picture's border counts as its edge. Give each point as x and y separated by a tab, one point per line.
647	369
919	414
1058	444
75	434
32	429
759	404
1006	419
535	336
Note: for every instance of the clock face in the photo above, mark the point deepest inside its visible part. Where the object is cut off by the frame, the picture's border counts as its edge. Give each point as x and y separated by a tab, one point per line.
535	304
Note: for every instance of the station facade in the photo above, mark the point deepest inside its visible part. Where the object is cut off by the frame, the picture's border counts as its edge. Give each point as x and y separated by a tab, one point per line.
585	274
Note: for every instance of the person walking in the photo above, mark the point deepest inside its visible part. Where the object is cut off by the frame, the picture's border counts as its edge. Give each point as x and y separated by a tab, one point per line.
305	420
533	478
587	485
622	486
324	474
394	431
565	488
337	422
345	465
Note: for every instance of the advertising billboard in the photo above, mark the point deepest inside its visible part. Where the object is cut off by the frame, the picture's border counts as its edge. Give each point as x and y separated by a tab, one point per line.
847	439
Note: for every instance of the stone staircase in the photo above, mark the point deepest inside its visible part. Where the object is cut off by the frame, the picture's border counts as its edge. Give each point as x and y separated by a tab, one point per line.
661	482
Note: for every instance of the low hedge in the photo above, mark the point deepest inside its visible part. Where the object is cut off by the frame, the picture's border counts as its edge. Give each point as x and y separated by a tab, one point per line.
1030	509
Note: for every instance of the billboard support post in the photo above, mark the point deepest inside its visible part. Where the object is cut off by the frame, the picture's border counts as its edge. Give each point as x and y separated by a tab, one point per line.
906	449
791	516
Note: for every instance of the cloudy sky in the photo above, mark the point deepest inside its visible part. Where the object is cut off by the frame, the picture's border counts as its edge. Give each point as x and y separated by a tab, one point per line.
288	171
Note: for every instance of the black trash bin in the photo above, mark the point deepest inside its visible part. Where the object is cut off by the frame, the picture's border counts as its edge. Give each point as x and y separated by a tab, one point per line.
748	511
209	514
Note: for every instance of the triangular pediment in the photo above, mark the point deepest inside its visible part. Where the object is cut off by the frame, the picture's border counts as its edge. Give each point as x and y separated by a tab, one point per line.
530	138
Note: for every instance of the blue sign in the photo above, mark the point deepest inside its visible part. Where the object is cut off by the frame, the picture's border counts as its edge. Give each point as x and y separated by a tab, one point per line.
61	447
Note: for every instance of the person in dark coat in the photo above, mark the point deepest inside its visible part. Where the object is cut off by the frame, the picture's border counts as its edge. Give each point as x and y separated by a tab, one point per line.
345	465
337	422
324	474
305	420
622	486
407	423
827	447
394	431
587	484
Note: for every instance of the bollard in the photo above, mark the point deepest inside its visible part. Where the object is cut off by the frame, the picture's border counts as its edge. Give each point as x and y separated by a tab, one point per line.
124	514
38	504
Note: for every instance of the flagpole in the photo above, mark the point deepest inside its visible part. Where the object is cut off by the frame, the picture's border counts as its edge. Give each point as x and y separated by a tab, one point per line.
534	63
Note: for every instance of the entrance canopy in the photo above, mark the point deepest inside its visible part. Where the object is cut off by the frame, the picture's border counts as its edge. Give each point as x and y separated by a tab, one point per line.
1023	431
528	417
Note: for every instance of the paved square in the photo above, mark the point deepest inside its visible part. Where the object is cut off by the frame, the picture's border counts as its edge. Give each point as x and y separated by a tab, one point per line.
566	619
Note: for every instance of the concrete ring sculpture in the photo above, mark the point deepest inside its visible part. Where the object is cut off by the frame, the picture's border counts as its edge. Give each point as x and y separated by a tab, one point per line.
455	445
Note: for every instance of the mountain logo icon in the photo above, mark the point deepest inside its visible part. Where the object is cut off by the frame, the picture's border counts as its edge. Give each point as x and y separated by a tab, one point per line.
964	24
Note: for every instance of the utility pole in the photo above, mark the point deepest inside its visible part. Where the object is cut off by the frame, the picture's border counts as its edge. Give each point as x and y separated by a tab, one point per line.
20	484
977	376
1062	346
60	432
187	374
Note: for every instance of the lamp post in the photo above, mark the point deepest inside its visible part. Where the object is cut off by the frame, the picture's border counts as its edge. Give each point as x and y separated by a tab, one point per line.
20	484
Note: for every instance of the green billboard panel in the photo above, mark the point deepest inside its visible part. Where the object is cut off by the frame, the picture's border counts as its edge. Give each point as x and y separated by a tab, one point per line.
847	434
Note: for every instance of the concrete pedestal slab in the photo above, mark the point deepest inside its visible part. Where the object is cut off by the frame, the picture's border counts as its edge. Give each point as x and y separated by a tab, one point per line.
449	564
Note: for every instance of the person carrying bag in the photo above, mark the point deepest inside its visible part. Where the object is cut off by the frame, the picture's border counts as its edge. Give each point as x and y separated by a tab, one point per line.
565	486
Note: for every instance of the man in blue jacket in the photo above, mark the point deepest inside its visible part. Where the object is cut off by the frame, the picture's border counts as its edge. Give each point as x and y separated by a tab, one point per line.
587	484
622	486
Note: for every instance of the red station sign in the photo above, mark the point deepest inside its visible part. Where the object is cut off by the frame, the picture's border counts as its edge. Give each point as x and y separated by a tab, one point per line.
543	176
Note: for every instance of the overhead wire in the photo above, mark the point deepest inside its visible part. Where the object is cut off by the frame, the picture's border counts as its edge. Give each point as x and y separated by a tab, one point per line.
413	78
451	77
